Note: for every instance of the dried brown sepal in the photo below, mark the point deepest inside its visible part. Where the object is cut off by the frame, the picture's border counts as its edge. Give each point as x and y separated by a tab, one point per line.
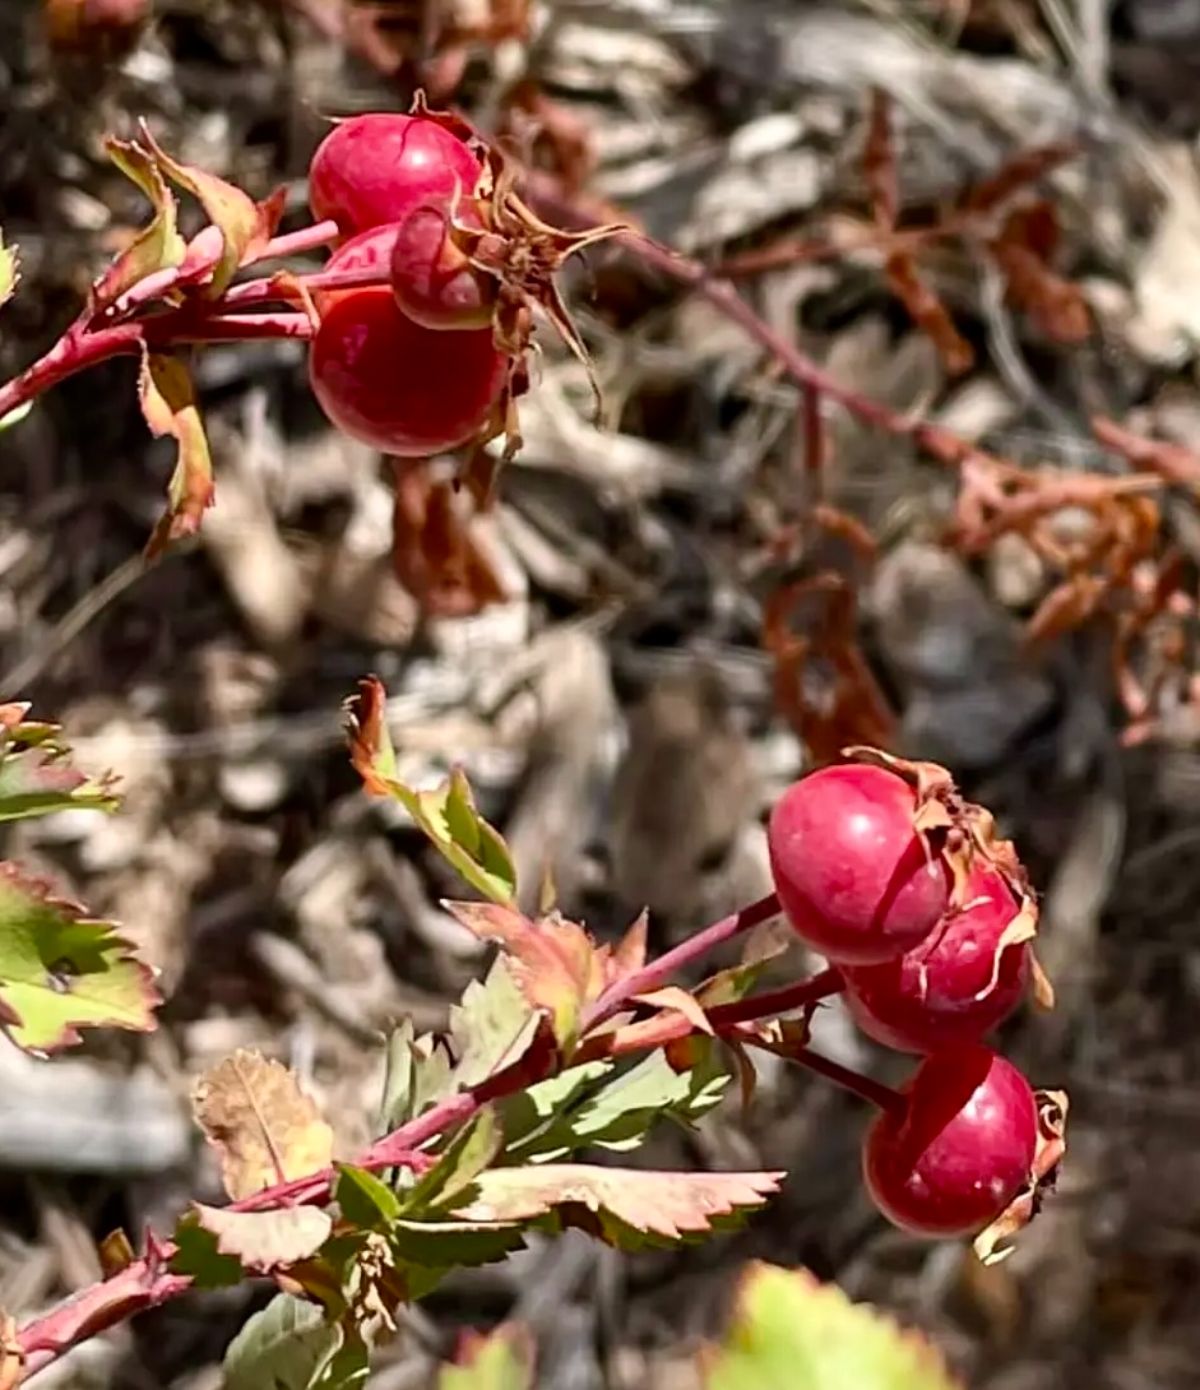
116	1253
992	1245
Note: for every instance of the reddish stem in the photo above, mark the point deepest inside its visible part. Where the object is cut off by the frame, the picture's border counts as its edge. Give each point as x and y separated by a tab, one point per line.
75	351
272	288
865	1087
773	1002
656	974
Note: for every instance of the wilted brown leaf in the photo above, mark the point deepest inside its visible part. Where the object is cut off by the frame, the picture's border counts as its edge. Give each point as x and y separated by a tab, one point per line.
266	1129
168	401
263	1241
929	313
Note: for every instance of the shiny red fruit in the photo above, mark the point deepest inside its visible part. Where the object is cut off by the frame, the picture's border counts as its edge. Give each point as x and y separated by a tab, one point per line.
432	278
376	168
951	988
854	878
961	1149
386	381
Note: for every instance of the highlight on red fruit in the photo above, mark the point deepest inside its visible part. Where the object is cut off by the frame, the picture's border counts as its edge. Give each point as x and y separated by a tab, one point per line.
960	1150
854	877
433	278
376	168
388	382
962	981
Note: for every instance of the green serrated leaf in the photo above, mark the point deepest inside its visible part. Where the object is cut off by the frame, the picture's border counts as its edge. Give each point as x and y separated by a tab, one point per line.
61	970
159	245
469	1152
529	1116
199	1257
9	274
453	1244
790	1332
363	1199
446	814
399	1079
37	775
168	401
287	1346
501	1360
492	1027
618	1114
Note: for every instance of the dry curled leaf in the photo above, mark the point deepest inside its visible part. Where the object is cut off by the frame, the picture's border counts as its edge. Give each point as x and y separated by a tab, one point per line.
265	1128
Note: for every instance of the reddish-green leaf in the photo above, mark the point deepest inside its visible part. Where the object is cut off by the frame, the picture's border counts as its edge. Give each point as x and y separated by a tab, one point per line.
61	970
501	1360
445	813
37	775
790	1332
168	402
245	226
158	245
557	965
605	1200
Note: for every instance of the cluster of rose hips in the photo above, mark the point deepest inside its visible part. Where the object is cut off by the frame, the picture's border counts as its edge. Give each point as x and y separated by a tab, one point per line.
926	918
421	346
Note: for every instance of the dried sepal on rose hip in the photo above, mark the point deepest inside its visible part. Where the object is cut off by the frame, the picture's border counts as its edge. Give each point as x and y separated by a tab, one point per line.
994	1243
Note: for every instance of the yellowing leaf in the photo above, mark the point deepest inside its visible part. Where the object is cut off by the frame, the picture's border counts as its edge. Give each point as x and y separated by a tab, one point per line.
446	814
790	1332
266	1129
243	225
37	776
61	970
159	245
501	1360
9	271
669	1205
168	402
263	1241
556	963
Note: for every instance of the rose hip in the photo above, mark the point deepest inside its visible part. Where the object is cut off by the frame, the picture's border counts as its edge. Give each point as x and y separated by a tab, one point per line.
433	279
960	1150
855	879
956	986
376	168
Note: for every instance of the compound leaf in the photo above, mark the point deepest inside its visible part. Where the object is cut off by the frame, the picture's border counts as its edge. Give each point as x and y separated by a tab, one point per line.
790	1332
605	1200
446	814
501	1360
168	401
61	970
265	1128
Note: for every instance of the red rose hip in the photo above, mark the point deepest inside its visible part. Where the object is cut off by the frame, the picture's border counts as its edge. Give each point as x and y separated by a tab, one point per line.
375	168
956	986
388	382
433	280
853	876
961	1149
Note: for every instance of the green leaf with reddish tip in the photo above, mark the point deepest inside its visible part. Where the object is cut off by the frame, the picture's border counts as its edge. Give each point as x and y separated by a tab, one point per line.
619	1205
158	246
61	970
501	1360
446	814
37	776
9	275
791	1332
245	226
168	401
